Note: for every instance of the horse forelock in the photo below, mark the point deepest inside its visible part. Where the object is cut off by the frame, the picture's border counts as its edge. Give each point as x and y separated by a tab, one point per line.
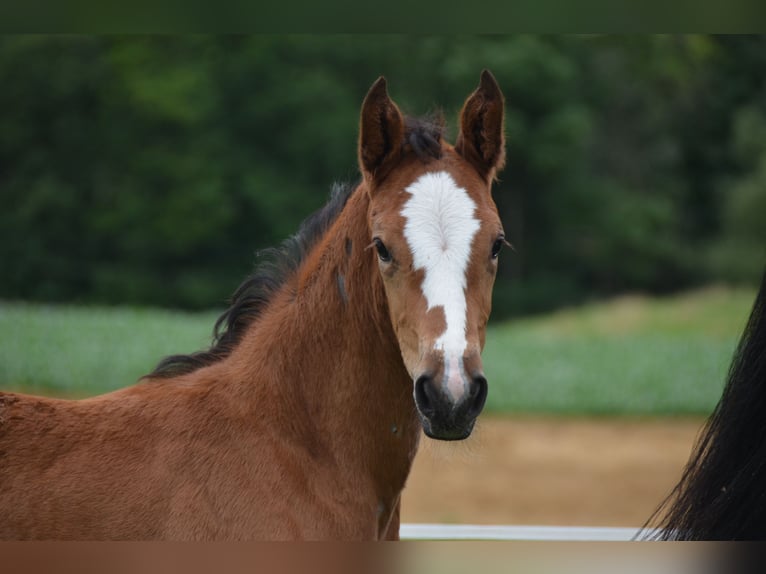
424	135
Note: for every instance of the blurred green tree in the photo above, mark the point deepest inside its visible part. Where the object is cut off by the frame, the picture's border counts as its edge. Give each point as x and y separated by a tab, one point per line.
149	170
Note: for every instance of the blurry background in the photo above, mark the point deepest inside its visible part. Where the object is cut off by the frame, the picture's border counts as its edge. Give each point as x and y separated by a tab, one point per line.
148	170
140	175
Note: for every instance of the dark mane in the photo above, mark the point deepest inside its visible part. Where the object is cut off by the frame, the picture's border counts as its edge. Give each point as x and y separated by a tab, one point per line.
422	135
253	295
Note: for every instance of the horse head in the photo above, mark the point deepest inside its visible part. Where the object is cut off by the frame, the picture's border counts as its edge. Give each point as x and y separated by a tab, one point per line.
436	234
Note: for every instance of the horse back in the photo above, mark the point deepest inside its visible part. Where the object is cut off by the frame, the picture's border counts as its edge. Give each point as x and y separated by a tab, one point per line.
70	469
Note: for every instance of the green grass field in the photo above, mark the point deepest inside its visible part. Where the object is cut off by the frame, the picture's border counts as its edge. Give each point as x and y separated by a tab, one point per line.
80	351
633	355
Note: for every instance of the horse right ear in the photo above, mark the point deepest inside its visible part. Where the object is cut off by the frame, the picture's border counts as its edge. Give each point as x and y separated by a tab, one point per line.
381	132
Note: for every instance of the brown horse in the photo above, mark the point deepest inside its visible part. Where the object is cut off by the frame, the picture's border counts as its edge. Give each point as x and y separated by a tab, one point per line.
299	422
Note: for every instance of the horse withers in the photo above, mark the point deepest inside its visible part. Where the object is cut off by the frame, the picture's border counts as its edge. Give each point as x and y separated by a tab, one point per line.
303	418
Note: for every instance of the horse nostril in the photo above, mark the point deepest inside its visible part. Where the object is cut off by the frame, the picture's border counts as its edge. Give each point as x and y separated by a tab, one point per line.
422	400
477	395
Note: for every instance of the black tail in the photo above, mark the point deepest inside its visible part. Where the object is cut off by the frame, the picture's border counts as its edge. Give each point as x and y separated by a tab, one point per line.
722	493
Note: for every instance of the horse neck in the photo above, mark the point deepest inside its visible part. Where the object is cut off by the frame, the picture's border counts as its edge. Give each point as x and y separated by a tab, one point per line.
325	361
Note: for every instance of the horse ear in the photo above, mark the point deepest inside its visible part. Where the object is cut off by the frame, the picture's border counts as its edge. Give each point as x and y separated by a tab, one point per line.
481	140
381	132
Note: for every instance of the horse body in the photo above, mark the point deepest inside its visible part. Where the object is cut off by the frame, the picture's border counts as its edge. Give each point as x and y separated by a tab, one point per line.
207	454
305	425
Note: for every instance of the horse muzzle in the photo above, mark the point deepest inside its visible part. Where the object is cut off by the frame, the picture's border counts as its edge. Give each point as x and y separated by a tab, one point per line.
444	415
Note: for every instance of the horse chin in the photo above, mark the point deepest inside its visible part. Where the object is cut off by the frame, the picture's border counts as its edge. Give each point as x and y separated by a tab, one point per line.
446	433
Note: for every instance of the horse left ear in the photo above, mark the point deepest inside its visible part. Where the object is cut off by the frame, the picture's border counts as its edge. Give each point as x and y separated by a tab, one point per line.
481	140
381	132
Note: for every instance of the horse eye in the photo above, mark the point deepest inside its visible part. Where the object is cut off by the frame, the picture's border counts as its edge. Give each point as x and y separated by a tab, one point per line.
497	246
383	254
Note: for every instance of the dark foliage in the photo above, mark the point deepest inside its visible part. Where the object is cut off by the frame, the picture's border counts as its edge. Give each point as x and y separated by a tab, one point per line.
147	170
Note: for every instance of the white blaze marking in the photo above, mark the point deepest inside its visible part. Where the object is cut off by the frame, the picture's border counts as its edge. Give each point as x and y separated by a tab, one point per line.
440	227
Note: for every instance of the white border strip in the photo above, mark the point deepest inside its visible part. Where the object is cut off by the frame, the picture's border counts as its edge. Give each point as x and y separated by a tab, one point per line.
503	532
